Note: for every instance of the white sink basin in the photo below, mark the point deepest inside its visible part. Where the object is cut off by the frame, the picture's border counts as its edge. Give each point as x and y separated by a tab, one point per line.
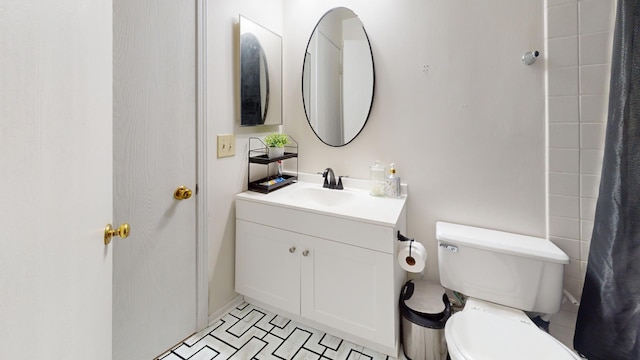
354	202
322	196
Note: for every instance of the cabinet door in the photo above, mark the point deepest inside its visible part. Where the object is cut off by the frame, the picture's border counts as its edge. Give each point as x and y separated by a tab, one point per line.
268	265
349	288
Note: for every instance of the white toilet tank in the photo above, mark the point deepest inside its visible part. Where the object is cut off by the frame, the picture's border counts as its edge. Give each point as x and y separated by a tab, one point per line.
518	271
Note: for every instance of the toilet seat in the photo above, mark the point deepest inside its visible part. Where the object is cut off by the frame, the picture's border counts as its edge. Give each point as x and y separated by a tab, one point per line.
477	334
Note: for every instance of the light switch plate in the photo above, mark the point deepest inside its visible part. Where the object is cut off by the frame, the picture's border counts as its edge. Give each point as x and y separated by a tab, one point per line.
226	145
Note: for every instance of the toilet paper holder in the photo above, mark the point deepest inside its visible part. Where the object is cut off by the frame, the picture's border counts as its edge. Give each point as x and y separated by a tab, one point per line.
410	259
403	238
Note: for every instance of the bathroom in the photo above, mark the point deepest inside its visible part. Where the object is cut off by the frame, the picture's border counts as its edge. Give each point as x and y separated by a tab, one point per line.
447	128
480	138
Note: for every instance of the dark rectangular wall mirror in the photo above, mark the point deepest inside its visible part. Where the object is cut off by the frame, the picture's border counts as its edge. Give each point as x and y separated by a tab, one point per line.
260	75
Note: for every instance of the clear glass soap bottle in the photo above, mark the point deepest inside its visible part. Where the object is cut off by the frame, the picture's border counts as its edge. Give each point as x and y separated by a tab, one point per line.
376	176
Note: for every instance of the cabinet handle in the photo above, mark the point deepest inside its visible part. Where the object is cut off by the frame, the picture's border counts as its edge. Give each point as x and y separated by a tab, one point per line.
305	253
292	249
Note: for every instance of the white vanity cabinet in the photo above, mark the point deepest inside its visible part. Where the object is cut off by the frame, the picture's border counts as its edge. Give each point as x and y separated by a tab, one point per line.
337	274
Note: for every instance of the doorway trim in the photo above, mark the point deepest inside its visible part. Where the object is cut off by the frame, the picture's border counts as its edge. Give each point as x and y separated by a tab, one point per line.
202	243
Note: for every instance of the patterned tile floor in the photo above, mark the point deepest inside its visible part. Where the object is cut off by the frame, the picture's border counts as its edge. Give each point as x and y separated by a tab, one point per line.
248	332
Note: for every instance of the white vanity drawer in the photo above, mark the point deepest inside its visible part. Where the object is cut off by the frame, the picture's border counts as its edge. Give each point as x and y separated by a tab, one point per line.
352	232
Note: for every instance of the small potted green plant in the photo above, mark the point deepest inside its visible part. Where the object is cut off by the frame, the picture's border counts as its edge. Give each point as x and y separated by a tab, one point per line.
276	143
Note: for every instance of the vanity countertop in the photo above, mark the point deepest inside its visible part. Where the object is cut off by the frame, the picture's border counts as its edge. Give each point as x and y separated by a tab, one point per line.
354	202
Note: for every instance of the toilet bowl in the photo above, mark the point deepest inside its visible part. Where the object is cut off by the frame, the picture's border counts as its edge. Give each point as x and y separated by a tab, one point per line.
502	275
489	331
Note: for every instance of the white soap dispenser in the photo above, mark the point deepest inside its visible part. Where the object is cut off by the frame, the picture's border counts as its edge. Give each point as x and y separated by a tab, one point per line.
392	183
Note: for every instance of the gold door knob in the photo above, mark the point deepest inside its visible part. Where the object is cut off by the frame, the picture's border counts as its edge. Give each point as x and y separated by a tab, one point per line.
182	193
109	232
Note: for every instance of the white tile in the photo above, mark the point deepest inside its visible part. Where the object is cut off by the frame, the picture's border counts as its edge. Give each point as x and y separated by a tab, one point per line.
305	354
242	310
205	354
589	185
594	108
313	344
331	342
346	350
273	343
170	356
595	48
594	79
572	269
200	334
565	318
562	20
373	355
563	81
592	136
240	334
569	246
562	52
566	228
564	109
563	334
564	136
587	209
586	229
596	16
561	160
568	306
567	184
207	342
583	269
564	206
584	250
292	344
591	161
574	286
551	3
249	350
236	333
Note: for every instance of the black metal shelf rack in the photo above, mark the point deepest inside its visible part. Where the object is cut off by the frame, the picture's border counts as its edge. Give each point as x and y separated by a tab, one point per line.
258	154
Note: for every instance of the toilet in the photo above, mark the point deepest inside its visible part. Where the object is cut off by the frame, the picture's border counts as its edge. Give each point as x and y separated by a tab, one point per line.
502	275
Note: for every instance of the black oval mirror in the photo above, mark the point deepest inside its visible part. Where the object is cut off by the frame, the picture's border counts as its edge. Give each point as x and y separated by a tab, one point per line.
338	77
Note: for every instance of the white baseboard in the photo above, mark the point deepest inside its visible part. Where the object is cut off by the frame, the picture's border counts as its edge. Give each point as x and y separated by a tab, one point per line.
225	309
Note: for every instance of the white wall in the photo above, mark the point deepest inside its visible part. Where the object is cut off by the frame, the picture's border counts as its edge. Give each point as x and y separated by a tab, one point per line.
579	42
228	176
468	135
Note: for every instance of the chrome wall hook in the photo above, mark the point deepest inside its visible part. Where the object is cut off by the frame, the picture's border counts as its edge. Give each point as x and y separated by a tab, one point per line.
530	57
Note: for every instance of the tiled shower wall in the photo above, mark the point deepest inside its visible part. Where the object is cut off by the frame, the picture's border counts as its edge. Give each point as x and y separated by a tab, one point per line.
579	41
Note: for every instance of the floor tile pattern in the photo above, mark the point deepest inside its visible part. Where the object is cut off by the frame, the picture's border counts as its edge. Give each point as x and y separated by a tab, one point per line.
248	332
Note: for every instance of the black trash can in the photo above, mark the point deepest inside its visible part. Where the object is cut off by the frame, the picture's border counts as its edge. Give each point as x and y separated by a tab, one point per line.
425	309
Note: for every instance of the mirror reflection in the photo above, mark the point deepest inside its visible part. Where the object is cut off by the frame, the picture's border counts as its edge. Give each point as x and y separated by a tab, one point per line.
338	77
260	75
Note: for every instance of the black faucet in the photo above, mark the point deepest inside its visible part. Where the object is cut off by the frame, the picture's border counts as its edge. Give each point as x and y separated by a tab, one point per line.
329	178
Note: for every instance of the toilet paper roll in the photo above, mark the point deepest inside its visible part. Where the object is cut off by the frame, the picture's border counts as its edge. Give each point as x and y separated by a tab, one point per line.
412	256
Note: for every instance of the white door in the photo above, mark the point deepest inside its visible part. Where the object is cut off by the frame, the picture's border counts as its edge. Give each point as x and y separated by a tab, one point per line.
154	153
55	179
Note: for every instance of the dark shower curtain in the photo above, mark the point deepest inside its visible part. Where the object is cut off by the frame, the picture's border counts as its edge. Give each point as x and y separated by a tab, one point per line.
608	325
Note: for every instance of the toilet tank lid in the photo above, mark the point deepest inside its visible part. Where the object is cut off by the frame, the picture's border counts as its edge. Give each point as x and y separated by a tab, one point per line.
500	241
